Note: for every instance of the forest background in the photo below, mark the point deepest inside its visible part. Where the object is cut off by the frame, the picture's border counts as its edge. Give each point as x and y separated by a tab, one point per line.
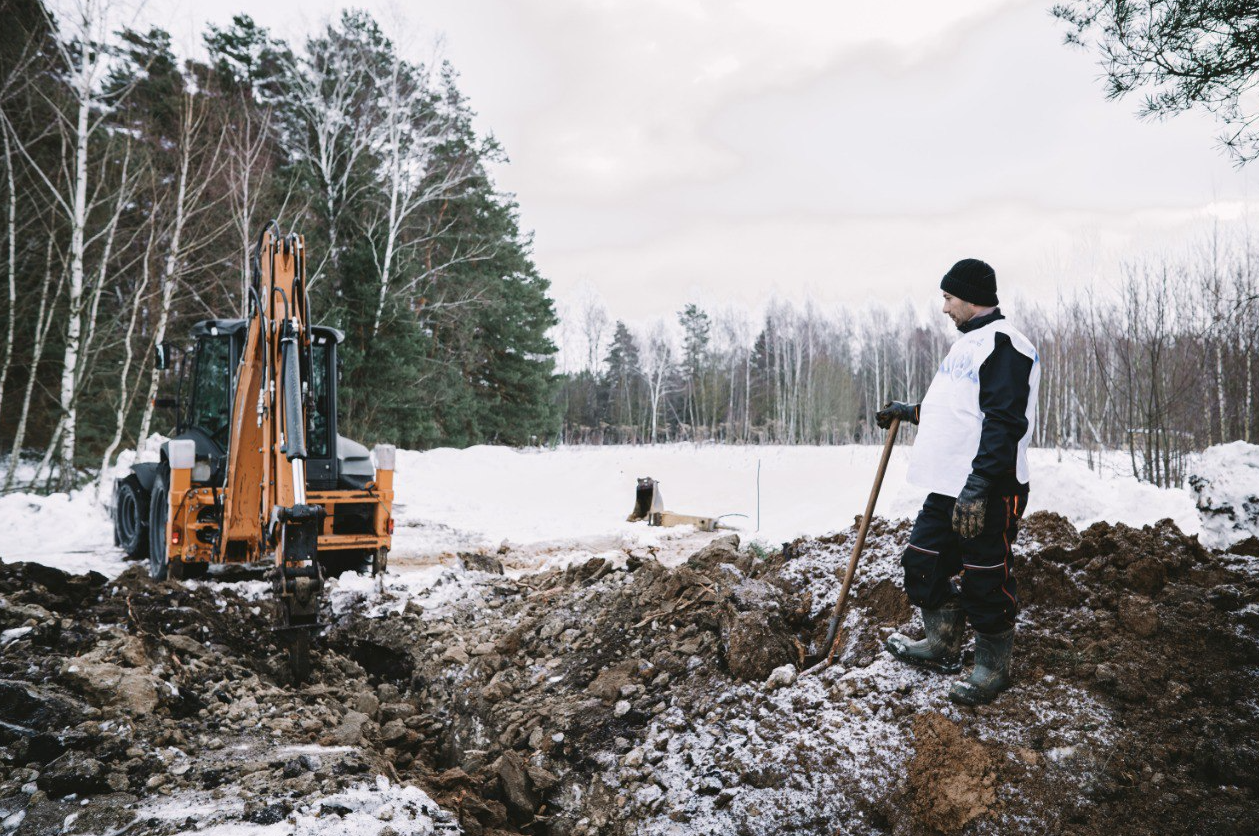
135	182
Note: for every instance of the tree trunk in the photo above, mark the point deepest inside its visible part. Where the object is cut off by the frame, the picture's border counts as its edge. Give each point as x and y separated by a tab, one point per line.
43	324
11	227
74	323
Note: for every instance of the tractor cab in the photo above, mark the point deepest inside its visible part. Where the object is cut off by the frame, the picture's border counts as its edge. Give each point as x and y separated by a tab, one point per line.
205	409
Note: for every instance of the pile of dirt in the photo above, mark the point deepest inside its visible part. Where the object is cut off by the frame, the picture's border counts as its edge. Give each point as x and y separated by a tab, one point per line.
159	707
619	697
648	699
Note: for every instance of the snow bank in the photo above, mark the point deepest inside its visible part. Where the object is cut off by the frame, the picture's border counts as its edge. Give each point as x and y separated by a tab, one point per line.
476	499
555	507
1064	484
68	531
1225	484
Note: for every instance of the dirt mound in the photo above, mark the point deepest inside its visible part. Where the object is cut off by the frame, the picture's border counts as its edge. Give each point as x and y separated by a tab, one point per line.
632	692
952	778
119	694
629	697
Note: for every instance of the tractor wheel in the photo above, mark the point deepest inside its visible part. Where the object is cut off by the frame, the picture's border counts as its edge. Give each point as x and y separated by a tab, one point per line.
131	518
159	507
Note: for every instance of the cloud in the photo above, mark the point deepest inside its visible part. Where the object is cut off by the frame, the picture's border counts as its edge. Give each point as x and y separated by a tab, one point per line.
856	259
669	150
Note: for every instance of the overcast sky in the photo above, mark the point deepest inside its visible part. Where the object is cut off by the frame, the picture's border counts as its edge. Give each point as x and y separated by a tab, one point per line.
666	151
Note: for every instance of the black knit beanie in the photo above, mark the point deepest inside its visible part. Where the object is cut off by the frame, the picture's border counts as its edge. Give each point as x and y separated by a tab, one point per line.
972	280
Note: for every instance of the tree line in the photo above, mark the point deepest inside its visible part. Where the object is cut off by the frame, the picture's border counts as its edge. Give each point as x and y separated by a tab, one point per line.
135	181
1156	362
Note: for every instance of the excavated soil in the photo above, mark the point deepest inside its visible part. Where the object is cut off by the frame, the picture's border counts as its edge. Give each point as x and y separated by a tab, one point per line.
627	697
952	777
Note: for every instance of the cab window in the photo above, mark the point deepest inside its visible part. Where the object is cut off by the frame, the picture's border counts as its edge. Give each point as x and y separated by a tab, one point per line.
211	394
318	442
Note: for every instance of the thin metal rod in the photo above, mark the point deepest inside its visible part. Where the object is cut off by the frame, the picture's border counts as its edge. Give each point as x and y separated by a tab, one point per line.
758	495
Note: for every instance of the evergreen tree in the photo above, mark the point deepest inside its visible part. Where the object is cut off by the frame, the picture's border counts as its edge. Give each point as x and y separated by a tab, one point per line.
622	373
695	327
247	61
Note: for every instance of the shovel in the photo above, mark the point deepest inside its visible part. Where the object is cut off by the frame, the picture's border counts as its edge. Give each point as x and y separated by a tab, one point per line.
832	643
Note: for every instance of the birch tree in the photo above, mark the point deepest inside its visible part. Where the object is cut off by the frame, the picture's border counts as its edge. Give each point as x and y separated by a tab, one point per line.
657	369
336	110
196	157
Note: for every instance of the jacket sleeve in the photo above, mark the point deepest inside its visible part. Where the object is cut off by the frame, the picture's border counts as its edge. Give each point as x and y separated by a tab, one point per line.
1004	387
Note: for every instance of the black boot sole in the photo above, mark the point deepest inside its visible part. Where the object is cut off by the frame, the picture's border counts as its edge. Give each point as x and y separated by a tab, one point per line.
939	666
982	698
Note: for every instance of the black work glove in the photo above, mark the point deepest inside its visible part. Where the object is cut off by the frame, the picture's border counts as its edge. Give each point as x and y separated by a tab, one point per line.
971	507
896	409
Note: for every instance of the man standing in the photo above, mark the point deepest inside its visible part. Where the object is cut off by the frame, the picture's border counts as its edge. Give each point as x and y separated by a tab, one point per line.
971	453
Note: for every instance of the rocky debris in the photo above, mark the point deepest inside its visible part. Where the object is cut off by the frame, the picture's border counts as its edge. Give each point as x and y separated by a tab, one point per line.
611	698
662	699
1138	615
782	677
723	549
139	690
755	646
476	562
106	683
70	774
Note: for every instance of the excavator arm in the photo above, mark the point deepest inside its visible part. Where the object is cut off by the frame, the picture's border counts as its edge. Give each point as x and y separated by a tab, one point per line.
265	504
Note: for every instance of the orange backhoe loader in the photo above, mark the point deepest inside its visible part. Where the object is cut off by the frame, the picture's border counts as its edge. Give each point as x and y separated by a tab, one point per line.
255	470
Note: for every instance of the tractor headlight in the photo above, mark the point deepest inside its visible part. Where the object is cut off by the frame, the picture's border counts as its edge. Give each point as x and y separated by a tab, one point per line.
385	455
181	454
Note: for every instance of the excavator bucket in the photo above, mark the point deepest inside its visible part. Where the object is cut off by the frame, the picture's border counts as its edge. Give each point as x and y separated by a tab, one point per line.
647	500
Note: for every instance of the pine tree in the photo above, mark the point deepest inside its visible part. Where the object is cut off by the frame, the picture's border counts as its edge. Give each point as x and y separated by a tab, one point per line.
621	379
695	329
247	61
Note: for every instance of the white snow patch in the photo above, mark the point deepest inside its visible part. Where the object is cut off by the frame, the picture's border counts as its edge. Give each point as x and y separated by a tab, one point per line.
551	508
14	634
68	531
362	810
1086	496
1225	483
429	586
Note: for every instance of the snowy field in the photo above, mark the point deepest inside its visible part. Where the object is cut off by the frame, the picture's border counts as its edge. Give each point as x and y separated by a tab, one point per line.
553	507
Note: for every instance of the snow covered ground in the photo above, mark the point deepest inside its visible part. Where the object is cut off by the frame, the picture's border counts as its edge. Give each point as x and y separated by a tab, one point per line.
558	506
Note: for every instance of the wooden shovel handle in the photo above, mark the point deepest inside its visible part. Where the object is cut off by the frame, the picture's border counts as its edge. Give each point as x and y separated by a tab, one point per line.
837	615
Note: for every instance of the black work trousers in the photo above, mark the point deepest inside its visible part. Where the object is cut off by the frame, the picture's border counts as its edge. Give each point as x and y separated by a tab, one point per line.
940	565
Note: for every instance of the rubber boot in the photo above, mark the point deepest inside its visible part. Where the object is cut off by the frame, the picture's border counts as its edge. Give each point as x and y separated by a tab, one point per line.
991	675
941	650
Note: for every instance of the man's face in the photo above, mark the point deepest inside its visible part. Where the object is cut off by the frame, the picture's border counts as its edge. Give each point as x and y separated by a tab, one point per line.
958	310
